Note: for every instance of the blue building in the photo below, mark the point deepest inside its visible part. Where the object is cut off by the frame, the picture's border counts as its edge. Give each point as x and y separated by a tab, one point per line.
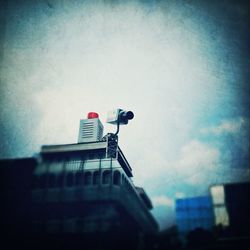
195	212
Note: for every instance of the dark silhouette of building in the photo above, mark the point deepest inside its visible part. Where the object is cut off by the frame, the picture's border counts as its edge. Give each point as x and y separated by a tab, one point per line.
76	195
231	203
219	221
15	195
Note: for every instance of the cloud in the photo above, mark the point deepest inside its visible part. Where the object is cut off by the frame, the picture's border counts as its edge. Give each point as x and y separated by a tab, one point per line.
162	200
232	126
197	163
232	137
201	164
151	164
81	56
197	154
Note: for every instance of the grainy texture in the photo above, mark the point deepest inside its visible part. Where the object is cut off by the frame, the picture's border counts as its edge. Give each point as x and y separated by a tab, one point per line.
181	66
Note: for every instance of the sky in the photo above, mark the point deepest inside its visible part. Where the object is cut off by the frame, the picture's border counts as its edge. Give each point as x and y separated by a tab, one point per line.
181	67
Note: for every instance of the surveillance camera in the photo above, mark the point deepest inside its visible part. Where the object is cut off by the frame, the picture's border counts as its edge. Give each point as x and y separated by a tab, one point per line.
119	116
125	116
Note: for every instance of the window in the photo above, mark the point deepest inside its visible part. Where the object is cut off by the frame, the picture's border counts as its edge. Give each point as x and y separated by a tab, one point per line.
60	180
106	177
79	178
70	179
87	178
51	180
117	178
96	178
218	195
221	215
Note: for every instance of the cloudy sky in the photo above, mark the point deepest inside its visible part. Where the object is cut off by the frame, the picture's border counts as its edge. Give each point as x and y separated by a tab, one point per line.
181	67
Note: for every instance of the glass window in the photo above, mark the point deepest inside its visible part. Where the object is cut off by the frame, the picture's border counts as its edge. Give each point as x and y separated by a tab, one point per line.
60	180
87	178
115	163
96	178
221	216
41	169
106	177
218	195
51	180
79	178
91	164
117	178
56	167
106	163
70	179
73	165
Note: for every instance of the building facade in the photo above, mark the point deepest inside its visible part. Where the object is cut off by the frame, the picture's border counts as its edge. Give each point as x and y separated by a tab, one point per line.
85	190
231	205
195	212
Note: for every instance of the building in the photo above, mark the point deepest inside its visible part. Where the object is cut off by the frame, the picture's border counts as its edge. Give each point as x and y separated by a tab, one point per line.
218	221
231	205
15	195
192	213
84	191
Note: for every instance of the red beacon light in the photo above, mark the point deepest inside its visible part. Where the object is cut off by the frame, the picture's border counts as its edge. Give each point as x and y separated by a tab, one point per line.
92	115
